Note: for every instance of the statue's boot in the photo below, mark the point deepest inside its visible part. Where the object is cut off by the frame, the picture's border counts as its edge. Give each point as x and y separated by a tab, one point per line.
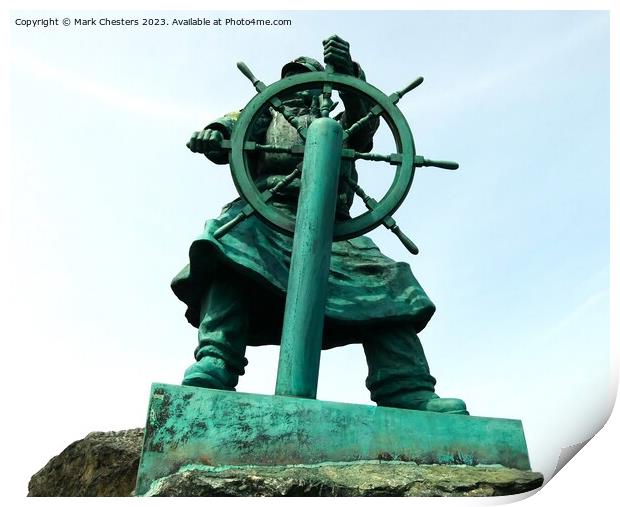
222	335
446	405
398	373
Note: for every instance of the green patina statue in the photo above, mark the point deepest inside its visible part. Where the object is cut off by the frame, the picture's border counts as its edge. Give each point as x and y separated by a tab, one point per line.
287	264
235	284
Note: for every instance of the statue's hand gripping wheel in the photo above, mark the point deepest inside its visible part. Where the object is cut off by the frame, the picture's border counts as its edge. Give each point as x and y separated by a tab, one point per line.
405	160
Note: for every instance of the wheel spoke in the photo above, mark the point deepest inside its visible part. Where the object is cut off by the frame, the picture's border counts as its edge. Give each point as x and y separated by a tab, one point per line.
388	221
396	96
245	70
248	210
392	158
362	122
276	103
286	180
420	161
370	203
295	149
325	100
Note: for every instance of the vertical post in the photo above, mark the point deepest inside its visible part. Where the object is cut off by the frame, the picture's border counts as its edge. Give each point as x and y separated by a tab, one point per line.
302	330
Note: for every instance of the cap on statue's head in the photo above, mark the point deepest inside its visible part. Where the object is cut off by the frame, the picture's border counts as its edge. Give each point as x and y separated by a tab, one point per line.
302	64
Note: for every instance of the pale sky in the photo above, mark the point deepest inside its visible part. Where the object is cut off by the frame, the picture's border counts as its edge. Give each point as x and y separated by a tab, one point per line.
105	200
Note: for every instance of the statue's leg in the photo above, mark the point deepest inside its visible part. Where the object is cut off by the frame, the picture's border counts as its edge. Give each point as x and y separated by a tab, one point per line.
398	373
222	335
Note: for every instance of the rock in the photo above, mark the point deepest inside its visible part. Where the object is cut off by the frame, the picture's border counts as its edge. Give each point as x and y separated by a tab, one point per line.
102	464
106	464
351	479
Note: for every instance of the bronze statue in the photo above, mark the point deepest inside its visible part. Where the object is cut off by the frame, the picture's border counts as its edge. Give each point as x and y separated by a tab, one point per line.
234	286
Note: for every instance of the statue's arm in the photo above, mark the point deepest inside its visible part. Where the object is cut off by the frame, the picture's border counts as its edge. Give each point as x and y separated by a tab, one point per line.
336	53
209	140
355	109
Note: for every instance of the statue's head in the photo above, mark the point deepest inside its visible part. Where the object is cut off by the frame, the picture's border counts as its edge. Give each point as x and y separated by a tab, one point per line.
301	64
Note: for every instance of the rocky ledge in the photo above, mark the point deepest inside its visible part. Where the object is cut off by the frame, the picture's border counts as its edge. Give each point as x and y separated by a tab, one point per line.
106	464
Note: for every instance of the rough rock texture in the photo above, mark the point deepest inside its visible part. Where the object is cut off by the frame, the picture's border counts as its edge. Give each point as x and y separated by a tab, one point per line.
356	479
106	464
102	464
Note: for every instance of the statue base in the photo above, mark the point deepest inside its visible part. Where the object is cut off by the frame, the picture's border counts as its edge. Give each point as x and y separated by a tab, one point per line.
195	426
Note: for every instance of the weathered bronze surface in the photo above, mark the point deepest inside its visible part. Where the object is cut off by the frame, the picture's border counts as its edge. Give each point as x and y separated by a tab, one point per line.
368	298
290	235
198	427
